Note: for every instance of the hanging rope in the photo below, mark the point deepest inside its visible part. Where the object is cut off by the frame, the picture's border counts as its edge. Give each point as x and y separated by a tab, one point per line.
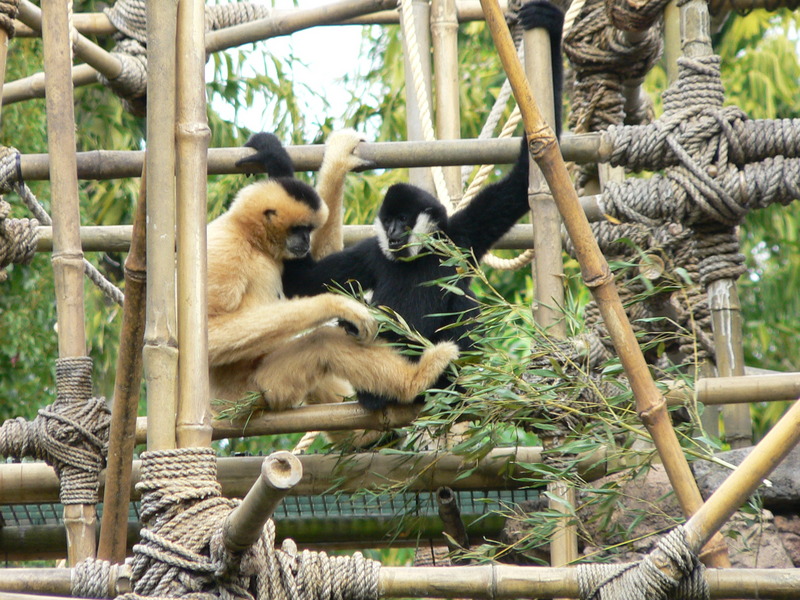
11	179
71	435
421	97
182	550
18	238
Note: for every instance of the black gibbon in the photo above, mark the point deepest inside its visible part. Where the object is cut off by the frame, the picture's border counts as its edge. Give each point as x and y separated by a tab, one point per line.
391	265
294	350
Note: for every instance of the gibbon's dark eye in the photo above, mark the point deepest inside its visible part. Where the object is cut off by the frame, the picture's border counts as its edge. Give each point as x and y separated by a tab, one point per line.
270	212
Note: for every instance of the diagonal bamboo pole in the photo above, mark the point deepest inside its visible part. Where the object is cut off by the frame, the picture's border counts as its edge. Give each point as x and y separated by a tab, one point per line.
6	33
67	258
122	435
650	404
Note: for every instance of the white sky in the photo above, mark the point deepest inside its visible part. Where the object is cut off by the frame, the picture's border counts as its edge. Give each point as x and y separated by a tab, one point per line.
330	52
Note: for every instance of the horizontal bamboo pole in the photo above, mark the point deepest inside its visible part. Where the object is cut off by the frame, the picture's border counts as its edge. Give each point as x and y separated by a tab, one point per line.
36	483
113	164
280	472
48	542
737	390
98	24
116	238
32	86
58	581
500	582
298	19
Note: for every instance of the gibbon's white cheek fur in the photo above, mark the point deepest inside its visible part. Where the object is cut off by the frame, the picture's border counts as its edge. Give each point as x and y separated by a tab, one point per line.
423	226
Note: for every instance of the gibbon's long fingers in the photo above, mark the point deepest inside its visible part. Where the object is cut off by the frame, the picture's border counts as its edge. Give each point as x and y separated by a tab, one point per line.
251	333
336	163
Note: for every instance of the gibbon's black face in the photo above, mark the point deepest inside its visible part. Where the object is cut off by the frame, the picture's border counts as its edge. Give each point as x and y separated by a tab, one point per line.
298	241
406	215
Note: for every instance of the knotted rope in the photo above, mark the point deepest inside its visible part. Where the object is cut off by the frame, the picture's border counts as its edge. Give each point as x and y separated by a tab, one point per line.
645	580
11	179
182	550
8	12
18	239
71	435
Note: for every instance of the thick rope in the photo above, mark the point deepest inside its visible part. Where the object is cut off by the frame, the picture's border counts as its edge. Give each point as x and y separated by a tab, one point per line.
91	578
11	179
644	580
182	551
18	239
71	435
8	12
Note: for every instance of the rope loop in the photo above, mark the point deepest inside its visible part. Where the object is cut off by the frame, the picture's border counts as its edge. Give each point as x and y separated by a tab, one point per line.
91	578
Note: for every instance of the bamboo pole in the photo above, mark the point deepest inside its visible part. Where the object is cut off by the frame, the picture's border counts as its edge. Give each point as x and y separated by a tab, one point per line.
160	352
113	164
723	298
417	40
36	482
58	581
486	582
650	403
5	37
263	29
243	526
122	433
33	86
548	275
193	427
67	256
457	539
444	36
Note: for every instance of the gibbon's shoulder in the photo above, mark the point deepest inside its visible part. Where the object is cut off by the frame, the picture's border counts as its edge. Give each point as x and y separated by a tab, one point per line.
284	202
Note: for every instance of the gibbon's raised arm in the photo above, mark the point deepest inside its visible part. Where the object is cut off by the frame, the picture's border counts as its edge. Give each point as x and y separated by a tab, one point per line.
499	205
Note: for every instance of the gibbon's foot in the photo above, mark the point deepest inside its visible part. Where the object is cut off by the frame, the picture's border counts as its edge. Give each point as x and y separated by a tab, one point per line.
340	146
420	376
432	363
355	318
270	154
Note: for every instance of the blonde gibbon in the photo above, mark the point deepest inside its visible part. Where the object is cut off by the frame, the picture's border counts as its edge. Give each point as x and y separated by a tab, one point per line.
293	351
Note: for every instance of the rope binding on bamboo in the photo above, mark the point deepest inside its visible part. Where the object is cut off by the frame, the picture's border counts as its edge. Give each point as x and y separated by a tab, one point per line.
182	550
645	580
11	180
71	434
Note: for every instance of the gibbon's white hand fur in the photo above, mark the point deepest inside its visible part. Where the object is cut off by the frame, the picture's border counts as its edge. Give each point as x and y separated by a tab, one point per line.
292	351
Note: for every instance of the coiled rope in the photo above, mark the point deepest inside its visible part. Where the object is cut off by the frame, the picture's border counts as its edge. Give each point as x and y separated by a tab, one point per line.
182	550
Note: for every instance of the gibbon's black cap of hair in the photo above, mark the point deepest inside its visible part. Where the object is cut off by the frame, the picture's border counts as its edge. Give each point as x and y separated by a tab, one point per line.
300	191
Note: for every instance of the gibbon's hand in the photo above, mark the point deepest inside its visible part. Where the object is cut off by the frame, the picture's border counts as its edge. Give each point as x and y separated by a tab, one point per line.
355	319
270	155
341	144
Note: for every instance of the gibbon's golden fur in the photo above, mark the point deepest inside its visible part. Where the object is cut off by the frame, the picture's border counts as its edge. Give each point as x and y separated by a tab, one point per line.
298	350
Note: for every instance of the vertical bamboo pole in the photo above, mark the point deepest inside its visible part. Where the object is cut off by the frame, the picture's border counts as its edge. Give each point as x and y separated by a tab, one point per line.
420	15
650	404
6	33
548	273
122	434
193	134
444	33
672	50
80	520
726	316
160	352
